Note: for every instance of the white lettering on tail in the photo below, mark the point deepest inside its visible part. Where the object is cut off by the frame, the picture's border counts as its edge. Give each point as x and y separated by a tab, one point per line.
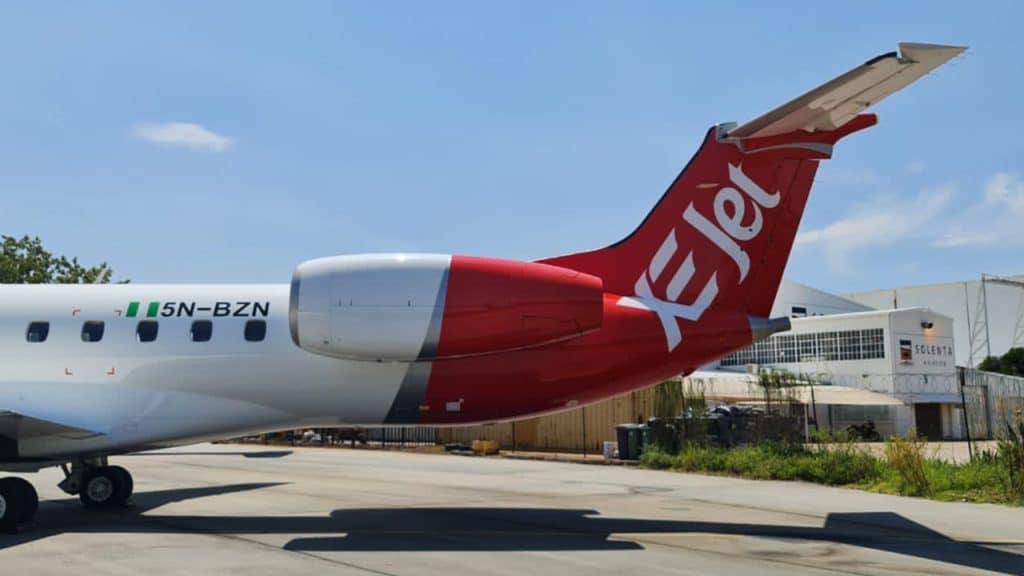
727	232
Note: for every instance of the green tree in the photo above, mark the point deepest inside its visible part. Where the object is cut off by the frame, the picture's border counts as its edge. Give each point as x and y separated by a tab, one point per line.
991	364
667	399
1011	363
25	261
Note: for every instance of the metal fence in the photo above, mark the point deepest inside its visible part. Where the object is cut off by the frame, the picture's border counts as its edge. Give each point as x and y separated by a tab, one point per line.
402	436
990	402
993	402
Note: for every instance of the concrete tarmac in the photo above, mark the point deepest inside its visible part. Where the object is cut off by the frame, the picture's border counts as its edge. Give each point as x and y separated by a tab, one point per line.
218	509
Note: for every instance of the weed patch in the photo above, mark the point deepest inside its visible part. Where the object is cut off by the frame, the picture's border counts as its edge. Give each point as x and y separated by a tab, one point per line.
905	469
906	456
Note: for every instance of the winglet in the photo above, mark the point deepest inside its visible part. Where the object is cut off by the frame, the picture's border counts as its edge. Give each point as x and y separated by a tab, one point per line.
838	101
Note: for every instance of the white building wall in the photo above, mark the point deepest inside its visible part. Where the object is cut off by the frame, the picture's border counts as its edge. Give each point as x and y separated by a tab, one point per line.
960	301
918	365
797	300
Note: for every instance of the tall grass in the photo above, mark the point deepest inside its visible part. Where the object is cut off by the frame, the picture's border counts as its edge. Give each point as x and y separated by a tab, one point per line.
1011	457
905	469
906	457
771	461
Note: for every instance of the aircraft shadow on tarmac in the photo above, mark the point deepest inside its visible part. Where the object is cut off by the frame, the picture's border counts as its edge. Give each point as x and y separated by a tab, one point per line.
245	453
497	529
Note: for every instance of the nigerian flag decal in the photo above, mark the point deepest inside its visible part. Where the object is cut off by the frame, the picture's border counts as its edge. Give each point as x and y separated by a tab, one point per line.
151	309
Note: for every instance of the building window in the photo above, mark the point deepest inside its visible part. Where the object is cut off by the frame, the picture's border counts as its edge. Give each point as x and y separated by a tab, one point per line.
849	345
255	330
846	414
146	330
812	347
798	311
787	349
92	331
202	331
807	346
873	343
828	346
37	332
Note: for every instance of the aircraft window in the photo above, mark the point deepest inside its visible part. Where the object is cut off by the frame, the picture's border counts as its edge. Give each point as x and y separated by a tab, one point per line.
92	331
202	331
255	330
147	330
37	332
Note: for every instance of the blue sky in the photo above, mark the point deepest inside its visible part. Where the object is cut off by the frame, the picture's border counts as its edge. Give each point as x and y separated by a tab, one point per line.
519	130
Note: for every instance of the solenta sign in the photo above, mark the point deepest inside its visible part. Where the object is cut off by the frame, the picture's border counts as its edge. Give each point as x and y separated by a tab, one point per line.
936	354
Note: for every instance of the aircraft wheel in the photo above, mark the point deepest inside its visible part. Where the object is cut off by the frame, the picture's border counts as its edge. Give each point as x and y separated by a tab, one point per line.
124	484
29	498
99	488
12	504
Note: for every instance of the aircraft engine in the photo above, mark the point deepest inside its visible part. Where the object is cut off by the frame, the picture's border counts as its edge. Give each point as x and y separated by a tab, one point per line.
404	307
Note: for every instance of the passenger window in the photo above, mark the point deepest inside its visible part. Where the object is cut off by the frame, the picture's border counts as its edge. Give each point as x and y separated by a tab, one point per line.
255	330
92	331
147	330
201	331
37	332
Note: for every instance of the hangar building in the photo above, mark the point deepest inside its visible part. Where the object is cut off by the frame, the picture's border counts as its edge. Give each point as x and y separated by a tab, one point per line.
906	353
987	313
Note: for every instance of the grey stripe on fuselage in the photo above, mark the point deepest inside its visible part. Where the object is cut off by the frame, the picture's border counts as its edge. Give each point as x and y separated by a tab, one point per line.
413	392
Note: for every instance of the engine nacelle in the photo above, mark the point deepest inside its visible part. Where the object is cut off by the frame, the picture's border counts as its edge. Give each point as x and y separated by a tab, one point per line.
425	306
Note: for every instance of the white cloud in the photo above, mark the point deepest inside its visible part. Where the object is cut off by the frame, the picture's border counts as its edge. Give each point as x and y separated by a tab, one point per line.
915	167
990	217
881	222
1005	190
995	219
183	134
960	238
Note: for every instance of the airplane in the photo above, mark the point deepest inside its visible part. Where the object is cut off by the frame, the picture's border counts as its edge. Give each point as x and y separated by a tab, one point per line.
94	371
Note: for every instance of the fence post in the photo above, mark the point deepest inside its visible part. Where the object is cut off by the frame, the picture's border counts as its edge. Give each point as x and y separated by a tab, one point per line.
962	373
988	410
583	416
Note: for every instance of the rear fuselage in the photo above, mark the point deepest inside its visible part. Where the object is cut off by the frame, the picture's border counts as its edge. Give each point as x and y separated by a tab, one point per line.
173	389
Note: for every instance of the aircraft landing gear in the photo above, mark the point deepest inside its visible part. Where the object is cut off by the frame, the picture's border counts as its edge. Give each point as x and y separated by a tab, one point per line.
97	484
106	487
18	503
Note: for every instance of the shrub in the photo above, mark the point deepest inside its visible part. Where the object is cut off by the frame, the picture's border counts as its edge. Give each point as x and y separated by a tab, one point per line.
844	464
772	461
906	456
653	457
830	436
1011	460
905	469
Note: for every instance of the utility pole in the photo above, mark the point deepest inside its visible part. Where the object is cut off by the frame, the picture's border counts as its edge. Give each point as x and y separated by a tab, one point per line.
988	335
970	335
981	330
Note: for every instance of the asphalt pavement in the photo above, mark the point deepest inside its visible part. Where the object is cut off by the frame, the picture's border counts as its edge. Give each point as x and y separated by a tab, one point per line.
215	509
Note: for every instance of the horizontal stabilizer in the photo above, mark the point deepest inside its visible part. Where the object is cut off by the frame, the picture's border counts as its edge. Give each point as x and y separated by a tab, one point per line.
838	101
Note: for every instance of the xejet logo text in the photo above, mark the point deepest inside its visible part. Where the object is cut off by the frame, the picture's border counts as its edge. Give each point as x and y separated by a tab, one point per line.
727	232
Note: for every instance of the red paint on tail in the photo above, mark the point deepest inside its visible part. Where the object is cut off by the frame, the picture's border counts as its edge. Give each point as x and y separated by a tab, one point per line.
724	228
678	292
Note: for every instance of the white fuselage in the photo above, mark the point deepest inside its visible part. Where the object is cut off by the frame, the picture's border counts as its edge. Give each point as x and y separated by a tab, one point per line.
119	393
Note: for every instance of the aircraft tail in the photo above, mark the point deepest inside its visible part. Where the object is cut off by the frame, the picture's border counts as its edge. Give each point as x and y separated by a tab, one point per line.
722	233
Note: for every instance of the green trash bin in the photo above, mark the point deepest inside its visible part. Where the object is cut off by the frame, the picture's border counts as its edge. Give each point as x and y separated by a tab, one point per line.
630	438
